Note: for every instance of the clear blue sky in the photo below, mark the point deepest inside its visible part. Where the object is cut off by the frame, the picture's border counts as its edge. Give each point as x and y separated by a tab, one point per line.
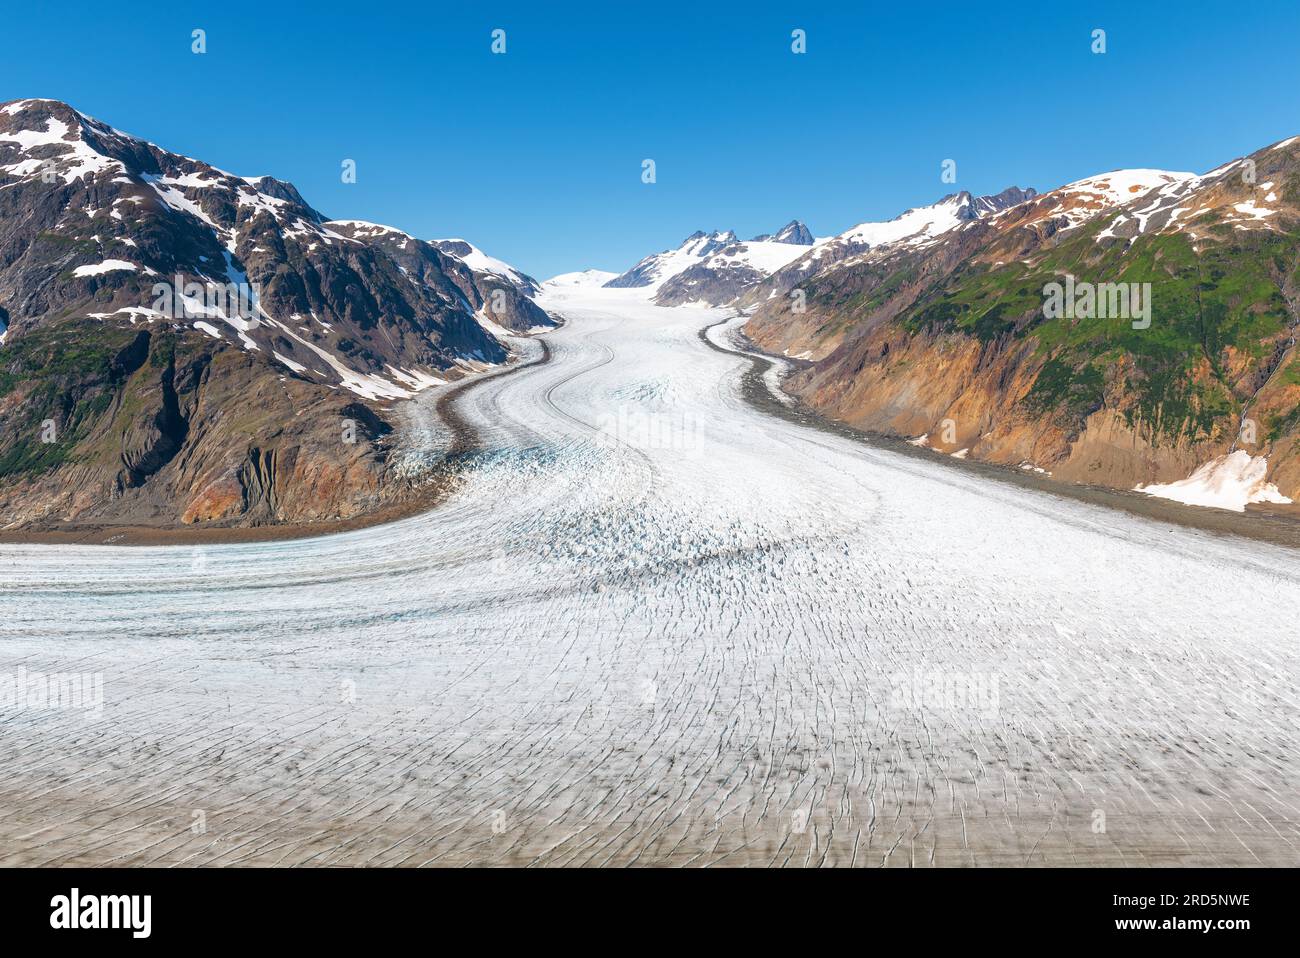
536	155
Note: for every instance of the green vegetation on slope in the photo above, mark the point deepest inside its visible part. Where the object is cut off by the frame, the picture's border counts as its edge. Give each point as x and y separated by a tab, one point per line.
1216	316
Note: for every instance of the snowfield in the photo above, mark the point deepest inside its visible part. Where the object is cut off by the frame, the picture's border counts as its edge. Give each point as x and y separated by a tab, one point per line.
657	626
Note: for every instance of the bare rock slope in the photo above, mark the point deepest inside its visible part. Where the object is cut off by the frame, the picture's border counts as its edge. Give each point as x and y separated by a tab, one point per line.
182	345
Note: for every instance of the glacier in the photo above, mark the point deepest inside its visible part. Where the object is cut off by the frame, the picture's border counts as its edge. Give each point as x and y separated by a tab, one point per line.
657	626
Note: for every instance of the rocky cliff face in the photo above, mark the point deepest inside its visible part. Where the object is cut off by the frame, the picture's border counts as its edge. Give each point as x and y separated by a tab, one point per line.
186	346
149	426
1127	329
491	290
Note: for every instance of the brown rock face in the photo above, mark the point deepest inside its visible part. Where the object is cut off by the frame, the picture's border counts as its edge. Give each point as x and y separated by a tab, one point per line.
219	499
952	336
197	432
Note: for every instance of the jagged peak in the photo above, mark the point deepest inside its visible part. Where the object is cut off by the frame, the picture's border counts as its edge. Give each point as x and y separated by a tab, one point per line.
717	236
794	232
997	202
365	227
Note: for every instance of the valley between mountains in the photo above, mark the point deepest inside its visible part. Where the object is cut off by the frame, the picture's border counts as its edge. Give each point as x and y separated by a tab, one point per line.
118	413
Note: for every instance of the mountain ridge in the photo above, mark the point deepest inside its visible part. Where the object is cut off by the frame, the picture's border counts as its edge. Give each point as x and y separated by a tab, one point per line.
183	345
950	341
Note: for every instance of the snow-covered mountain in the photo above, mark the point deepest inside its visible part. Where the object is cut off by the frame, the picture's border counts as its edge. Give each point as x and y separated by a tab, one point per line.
1074	204
657	268
481	262
914	229
499	296
582	279
151	214
717	269
723	275
793	232
714	267
196	337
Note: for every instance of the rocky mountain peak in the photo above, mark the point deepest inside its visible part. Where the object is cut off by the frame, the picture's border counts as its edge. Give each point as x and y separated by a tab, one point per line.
794	233
997	202
283	190
104	217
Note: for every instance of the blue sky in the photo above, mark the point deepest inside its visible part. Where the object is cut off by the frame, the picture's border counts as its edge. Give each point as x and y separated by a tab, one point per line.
536	155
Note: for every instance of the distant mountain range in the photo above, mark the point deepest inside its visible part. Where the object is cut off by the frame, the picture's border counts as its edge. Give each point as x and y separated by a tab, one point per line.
717	269
182	342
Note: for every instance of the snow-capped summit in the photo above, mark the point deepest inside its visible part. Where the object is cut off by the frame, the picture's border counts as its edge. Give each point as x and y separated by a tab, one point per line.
702	243
499	296
656	269
1120	186
583	279
925	224
728	271
913	230
794	233
715	267
916	226
62	142
1084	199
155	215
476	259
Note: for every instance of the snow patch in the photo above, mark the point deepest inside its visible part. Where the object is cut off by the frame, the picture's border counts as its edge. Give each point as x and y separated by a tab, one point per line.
83	159
764	256
478	260
108	266
1228	482
1249	208
296	367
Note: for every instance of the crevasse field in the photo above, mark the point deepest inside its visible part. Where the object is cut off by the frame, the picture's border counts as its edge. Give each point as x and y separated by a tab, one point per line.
657	626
